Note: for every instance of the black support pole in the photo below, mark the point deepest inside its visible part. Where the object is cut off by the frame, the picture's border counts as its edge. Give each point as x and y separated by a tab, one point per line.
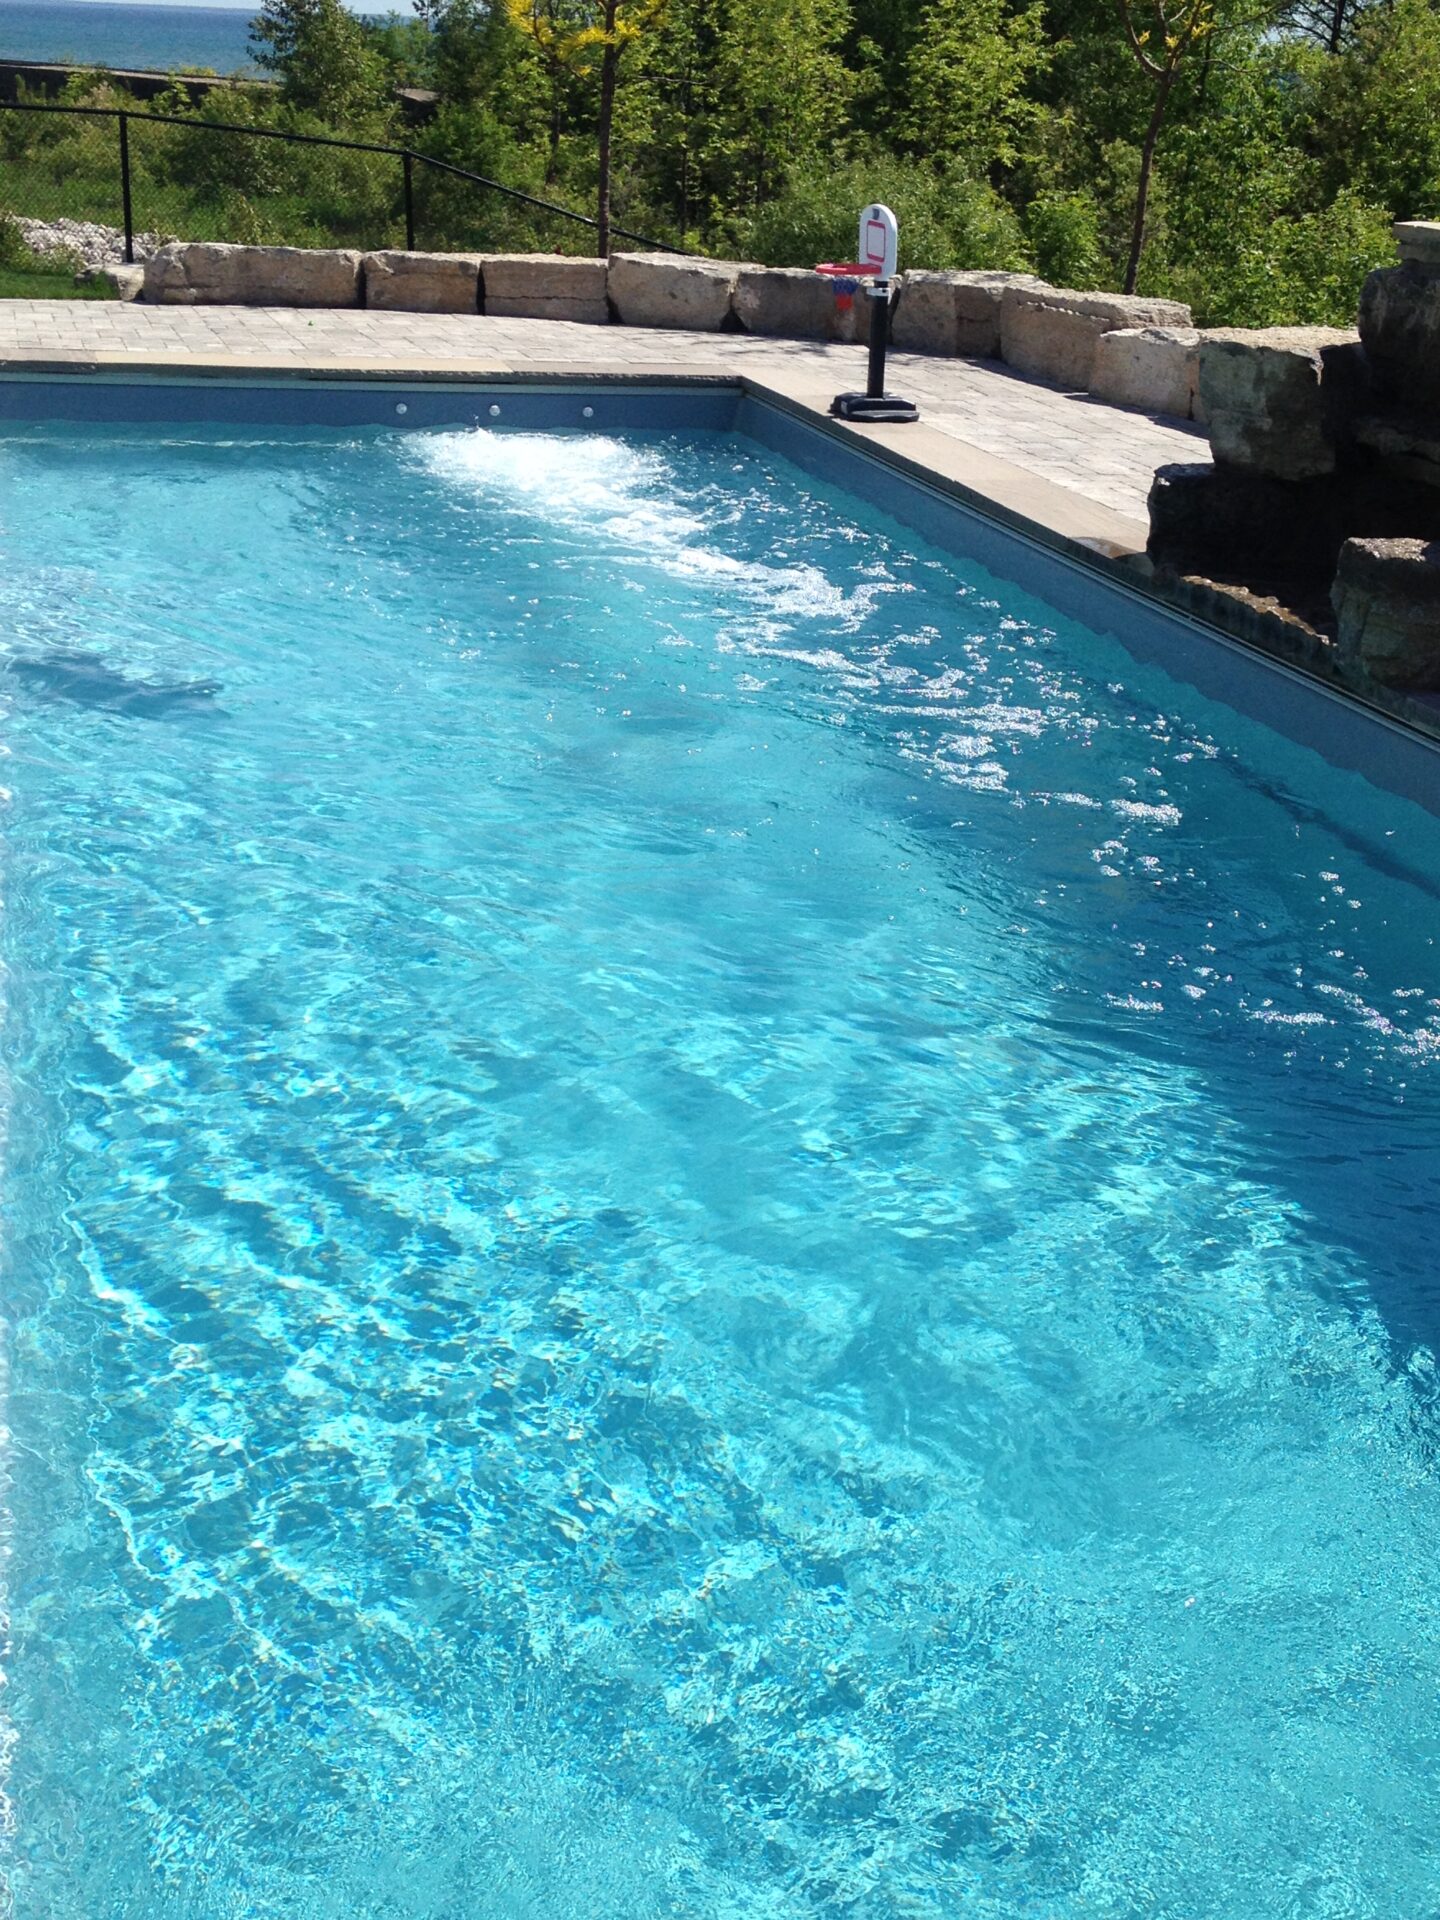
875	404
125	189
879	297
409	201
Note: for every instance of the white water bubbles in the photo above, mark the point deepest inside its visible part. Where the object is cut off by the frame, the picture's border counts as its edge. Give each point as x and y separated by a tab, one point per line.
596	487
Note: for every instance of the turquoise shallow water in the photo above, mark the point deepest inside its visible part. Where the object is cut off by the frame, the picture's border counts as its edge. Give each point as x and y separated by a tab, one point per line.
701	1218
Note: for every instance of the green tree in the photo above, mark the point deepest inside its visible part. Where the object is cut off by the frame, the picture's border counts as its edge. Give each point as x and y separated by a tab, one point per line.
969	68
1375	112
586	39
779	92
323	56
1162	35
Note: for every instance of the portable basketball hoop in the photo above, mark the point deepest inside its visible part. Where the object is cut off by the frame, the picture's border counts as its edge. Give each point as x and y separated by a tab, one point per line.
847	278
879	252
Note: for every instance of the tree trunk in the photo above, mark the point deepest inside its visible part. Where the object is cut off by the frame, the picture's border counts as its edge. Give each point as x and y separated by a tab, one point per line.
1147	166
552	156
610	61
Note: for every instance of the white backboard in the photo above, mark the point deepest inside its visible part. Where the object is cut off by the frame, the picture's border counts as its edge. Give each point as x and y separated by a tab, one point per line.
879	248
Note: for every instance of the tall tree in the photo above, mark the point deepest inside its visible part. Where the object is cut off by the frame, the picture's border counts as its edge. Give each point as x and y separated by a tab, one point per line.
587	39
780	94
1162	35
323	56
1329	23
967	74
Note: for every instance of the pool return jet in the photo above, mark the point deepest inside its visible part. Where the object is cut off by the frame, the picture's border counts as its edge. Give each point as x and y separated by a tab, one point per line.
879	252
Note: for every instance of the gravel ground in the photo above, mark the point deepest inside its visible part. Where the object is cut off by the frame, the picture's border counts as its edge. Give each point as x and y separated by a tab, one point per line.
92	244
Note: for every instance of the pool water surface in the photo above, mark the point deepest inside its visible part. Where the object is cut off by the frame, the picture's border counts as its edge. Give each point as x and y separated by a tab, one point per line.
703	1216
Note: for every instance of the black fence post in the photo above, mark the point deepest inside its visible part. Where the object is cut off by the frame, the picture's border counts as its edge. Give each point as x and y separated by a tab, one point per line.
124	119
409	201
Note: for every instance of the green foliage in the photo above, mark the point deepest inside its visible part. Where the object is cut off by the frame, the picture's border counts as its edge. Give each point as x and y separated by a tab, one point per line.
325	59
403	46
969	67
1064	234
1005	133
946	219
1322	259
13	251
761	82
476	54
1303	271
1376	110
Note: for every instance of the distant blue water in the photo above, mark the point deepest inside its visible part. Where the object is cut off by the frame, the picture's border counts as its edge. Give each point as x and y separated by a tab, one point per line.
703	1219
154	38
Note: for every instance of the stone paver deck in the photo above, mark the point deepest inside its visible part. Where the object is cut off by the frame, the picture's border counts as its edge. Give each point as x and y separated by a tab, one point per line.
1065	461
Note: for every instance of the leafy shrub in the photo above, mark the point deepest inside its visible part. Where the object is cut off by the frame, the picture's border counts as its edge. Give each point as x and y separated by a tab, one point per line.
13	251
1064	234
946	219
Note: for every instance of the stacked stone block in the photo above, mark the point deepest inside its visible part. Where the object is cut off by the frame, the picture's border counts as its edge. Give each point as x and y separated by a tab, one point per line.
1326	469
544	286
1054	332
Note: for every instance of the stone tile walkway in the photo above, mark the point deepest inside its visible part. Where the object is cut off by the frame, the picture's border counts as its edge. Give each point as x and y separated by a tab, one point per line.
1101	453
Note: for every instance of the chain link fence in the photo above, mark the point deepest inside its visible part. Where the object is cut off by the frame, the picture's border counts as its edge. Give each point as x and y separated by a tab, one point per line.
104	184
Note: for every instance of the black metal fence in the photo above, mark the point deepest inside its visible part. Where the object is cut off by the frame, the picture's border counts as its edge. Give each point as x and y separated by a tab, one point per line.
152	177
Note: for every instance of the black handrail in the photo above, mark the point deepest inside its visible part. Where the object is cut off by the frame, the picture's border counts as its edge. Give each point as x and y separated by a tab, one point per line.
407	156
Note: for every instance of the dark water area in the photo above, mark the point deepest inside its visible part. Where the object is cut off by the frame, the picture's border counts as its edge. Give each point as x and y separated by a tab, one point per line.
156	38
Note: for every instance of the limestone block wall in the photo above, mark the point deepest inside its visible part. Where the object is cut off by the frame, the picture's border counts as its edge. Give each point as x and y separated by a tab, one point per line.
956	315
1152	369
1135	352
397	282
1280	401
1054	332
544	286
203	273
663	290
1325	482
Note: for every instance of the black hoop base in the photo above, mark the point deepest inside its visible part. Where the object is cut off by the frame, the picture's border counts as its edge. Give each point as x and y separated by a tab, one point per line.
875	407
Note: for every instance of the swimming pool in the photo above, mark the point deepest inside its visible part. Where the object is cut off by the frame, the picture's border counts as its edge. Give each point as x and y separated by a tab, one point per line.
705	1215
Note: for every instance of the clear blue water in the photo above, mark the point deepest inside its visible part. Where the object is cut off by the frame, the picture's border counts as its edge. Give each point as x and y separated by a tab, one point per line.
152	38
700	1218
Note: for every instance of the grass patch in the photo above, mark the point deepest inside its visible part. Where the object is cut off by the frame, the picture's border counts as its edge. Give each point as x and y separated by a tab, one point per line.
25	275
40	284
